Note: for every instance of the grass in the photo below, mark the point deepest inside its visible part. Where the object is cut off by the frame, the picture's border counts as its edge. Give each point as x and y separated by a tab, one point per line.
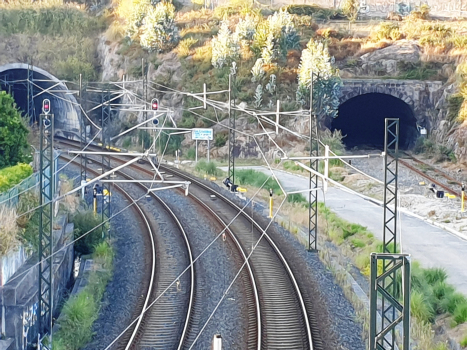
86	223
8	229
209	168
257	179
13	175
81	310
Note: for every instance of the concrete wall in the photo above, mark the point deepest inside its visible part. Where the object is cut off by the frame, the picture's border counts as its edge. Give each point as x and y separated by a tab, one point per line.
19	296
443	8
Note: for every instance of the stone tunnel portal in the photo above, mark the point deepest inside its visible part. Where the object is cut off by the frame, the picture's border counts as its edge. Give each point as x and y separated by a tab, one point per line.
14	79
361	121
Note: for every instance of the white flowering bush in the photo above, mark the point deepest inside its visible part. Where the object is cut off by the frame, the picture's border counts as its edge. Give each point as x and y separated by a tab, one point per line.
159	31
225	47
259	96
257	70
268	52
316	64
152	22
281	26
246	28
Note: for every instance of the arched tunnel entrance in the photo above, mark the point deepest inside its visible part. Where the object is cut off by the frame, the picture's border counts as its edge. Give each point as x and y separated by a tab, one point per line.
15	78
361	121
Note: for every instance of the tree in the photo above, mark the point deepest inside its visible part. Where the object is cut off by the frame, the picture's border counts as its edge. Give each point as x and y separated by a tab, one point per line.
13	133
159	31
316	64
225	48
350	8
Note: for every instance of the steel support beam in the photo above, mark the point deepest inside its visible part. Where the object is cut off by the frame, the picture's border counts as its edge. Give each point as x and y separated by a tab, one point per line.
231	168
395	307
30	99
105	122
82	130
313	179
45	307
384	335
391	168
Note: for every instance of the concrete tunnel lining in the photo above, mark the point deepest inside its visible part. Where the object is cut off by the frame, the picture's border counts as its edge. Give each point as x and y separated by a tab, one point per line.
361	121
64	105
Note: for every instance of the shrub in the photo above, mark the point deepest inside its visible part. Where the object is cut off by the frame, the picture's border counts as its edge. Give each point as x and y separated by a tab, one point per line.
225	47
13	175
420	308
8	229
387	31
451	301
191	154
13	133
460	314
463	342
221	139
257	179
208	168
358	243
435	275
86	223
296	198
159	31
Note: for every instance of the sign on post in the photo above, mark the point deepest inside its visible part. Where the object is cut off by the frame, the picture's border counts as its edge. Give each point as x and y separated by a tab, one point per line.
202	134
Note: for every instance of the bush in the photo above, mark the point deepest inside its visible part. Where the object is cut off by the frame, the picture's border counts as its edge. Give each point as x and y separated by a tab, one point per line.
86	223
451	302
191	154
257	179
13	133
208	168
220	139
463	342
296	198
387	31
13	175
460	314
420	307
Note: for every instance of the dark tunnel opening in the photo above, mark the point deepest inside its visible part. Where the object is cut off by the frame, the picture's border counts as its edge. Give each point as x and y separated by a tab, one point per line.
14	80
361	121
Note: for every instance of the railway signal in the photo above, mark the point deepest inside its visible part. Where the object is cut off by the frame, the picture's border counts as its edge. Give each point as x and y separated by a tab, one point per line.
46	106
154	104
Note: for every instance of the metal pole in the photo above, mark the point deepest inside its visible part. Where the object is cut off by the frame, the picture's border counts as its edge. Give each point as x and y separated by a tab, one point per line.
46	180
313	179
208	151
196	151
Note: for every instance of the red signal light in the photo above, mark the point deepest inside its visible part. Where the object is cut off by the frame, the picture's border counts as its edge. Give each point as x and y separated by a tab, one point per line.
155	104
46	106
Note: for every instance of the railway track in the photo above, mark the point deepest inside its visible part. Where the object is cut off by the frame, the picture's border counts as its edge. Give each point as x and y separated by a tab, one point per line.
156	325
442	179
281	317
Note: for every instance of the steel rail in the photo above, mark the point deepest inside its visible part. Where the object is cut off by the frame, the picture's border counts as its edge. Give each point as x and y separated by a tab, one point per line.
260	229
150	292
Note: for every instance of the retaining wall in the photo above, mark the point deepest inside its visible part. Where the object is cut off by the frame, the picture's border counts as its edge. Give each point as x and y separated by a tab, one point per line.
19	296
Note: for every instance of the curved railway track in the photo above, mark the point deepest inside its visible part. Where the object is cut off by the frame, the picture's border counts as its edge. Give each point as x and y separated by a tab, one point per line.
155	326
282	318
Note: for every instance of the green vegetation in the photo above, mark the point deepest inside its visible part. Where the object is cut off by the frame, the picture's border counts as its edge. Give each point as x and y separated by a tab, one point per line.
90	225
256	179
81	310
208	168
8	229
13	175
431	295
13	134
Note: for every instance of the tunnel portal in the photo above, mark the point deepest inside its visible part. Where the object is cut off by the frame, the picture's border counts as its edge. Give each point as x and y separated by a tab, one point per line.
361	121
14	79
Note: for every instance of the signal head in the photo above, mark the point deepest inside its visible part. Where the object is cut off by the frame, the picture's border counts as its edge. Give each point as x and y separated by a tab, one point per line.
46	106
46	122
154	104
